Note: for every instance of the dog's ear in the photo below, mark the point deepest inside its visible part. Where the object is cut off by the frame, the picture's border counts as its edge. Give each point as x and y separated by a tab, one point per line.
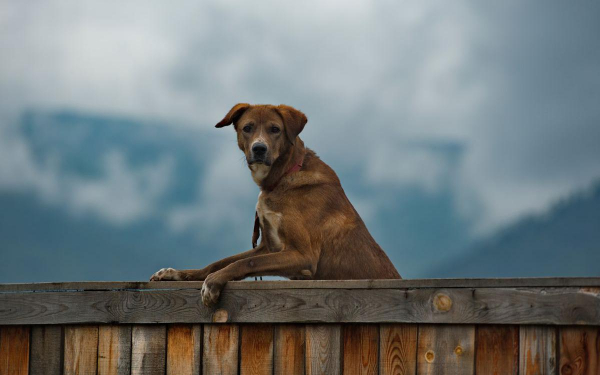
233	115
293	120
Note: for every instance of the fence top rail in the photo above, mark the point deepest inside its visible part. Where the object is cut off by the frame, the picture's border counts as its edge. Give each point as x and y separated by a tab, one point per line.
545	301
539	282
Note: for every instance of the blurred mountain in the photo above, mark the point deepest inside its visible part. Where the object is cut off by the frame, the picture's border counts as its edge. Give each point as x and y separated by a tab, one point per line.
563	242
55	229
108	198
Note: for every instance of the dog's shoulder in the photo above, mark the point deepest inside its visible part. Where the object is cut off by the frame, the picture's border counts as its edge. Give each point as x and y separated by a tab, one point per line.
315	185
314	172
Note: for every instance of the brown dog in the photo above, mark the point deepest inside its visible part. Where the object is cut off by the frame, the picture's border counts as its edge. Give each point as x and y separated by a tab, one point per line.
310	230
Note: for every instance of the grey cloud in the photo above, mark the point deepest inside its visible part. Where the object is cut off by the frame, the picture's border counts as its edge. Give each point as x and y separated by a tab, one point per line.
515	83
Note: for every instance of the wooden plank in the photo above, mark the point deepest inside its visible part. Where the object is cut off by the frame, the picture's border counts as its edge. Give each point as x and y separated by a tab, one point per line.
361	343
566	306
81	350
46	350
114	350
537	350
553	282
256	349
183	349
580	350
446	349
323	349
398	349
148	349
289	349
220	349
14	350
497	350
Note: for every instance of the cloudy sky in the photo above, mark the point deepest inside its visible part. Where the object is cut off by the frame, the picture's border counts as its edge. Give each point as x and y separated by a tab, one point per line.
515	85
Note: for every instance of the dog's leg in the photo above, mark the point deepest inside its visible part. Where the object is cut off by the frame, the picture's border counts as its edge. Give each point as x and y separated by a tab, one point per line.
170	274
287	263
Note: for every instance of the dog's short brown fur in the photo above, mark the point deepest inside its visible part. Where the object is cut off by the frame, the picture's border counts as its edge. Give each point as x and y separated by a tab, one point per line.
310	230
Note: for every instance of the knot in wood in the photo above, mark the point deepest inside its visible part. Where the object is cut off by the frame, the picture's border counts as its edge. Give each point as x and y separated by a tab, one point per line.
566	370
442	302
458	350
429	356
220	316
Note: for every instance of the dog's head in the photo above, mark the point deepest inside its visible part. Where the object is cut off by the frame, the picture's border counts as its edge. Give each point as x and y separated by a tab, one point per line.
264	132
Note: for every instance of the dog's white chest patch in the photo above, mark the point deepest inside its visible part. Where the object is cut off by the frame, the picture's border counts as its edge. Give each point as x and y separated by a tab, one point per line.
269	223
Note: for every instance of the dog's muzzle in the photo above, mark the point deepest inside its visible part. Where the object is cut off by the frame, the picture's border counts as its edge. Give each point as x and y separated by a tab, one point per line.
259	154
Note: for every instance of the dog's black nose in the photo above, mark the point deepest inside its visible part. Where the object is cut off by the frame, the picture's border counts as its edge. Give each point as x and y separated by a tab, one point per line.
259	149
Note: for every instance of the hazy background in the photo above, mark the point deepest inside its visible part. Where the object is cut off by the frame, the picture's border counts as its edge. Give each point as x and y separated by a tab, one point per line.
466	133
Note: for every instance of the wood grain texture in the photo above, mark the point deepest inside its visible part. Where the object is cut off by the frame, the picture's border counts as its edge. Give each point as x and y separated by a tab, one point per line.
497	350
148	349
446	349
46	350
289	349
323	349
397	349
184	355
579	351
256	349
114	350
81	350
537	350
556	282
14	350
361	343
220	349
568	306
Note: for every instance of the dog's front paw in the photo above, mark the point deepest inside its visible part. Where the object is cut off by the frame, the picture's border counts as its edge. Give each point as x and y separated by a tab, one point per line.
166	274
211	290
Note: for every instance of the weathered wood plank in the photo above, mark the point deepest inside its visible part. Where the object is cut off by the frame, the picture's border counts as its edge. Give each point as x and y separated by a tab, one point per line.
497	350
256	349
361	343
537	350
81	350
579	350
14	350
567	306
46	350
323	349
398	349
148	349
184	355
446	349
114	350
553	282
289	349
220	349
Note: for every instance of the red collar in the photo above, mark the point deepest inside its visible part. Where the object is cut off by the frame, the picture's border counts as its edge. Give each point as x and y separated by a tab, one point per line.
296	167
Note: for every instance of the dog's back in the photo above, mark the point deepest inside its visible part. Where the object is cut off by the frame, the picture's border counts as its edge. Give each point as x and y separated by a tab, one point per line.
346	249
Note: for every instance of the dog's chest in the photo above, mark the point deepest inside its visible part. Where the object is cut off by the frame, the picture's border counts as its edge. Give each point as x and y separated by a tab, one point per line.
269	223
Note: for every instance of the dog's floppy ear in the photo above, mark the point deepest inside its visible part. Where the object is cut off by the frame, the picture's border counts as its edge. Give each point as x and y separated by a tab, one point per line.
293	120
233	114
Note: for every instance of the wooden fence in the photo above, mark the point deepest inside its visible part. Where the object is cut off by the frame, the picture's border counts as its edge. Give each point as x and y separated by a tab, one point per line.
452	326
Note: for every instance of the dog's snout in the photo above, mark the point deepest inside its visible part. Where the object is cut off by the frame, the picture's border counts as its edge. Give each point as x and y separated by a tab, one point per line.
259	149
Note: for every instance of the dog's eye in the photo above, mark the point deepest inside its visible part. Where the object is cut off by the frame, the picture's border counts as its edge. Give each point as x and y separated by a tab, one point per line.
247	129
274	129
